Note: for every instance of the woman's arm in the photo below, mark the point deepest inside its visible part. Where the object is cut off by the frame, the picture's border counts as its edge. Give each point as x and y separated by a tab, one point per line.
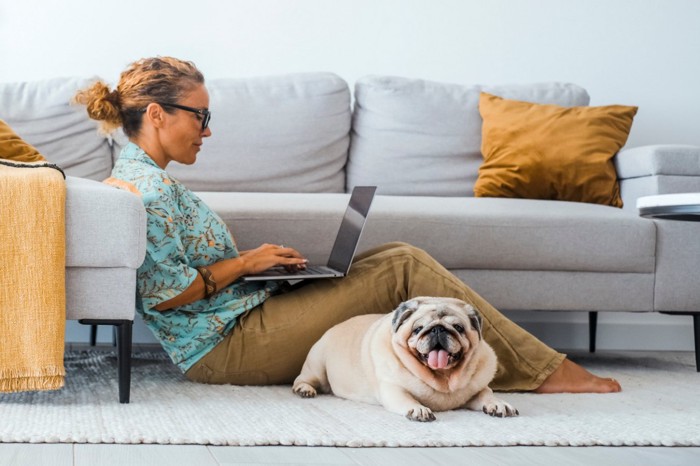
227	271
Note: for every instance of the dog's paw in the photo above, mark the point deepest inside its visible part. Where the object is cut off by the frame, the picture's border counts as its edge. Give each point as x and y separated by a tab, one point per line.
499	408
304	390
420	414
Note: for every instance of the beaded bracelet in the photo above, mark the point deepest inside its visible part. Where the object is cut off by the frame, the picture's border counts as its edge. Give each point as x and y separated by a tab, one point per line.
209	283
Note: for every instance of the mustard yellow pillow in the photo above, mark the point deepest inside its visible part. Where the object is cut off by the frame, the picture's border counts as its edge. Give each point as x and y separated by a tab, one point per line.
13	147
537	151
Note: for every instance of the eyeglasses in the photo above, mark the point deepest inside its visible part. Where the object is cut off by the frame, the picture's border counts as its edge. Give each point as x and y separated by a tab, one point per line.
205	114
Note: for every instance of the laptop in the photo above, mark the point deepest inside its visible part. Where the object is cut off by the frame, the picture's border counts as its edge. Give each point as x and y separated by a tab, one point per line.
344	248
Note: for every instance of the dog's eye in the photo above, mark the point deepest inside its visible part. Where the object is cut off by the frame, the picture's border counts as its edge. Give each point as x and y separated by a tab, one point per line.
459	328
417	330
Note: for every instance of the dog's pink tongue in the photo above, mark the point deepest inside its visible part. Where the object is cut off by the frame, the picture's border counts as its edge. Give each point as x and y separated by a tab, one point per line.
438	359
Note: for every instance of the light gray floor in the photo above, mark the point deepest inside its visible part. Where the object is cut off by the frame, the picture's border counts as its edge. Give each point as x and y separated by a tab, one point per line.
13	454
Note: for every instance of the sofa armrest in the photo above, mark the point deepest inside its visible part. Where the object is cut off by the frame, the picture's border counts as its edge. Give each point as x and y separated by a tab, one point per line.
671	159
657	169
105	226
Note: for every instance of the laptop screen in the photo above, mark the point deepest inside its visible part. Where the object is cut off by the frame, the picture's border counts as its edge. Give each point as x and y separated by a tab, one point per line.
350	228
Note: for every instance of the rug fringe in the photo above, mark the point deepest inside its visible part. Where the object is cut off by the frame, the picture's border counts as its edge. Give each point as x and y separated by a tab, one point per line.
48	378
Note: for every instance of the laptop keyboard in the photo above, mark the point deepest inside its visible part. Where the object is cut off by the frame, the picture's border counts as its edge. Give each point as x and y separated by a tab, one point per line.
310	270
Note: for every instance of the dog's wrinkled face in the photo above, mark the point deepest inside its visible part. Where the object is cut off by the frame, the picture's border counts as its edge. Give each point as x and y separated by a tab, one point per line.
439	332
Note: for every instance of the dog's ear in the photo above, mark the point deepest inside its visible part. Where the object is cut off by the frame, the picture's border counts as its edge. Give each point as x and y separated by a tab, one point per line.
474	319
402	313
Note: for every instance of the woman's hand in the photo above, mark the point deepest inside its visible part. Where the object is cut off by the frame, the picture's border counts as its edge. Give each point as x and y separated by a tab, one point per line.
271	255
227	271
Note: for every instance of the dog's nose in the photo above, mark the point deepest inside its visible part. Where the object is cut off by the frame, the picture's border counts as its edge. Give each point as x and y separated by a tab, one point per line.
437	329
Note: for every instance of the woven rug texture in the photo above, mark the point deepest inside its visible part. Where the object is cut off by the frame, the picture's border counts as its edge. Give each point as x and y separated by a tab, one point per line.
660	406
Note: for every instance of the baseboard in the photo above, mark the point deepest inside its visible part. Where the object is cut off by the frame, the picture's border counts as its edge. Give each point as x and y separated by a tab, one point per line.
617	331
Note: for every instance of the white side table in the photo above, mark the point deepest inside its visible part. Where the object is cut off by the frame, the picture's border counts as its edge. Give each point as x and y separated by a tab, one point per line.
683	206
686	207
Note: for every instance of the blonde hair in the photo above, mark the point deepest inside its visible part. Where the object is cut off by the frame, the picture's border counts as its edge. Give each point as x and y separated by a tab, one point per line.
158	79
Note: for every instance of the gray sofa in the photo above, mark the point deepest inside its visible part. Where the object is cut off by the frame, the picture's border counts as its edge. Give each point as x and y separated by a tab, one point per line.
286	149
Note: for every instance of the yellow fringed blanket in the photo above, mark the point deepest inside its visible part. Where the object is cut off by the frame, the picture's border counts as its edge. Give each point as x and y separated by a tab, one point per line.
32	276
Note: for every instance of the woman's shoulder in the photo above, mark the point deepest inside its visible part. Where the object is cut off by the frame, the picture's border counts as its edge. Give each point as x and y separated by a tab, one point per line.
149	183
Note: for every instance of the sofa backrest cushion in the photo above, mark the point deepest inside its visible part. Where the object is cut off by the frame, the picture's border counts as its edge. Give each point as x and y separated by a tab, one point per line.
417	137
40	113
287	133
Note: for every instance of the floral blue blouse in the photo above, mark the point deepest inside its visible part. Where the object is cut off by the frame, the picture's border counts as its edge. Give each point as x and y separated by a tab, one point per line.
182	233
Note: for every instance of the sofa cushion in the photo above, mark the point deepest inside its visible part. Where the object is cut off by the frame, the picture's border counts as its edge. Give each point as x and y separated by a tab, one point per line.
419	137
286	133
516	234
552	290
551	152
461	233
40	112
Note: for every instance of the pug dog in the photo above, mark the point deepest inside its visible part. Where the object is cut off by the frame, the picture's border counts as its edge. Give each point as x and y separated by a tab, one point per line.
427	355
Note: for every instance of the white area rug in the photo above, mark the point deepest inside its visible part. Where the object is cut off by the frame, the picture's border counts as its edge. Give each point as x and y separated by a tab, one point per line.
660	405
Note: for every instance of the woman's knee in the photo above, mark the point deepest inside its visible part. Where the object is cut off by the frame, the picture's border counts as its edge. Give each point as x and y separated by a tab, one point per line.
396	244
394	247
411	251
393	252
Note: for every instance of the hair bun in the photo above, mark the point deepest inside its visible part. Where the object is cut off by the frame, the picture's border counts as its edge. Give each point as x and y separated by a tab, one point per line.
102	105
113	97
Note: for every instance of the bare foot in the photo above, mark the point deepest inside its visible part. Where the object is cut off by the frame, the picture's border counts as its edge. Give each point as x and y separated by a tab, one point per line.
569	377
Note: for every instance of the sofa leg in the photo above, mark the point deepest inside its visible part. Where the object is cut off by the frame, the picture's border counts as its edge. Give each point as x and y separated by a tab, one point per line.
124	333
696	328
592	327
124	330
93	335
696	331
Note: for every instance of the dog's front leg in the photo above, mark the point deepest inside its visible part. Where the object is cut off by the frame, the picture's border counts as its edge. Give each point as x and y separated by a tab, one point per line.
397	400
486	401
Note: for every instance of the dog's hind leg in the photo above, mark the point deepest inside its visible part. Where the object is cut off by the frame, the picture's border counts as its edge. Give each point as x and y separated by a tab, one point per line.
313	376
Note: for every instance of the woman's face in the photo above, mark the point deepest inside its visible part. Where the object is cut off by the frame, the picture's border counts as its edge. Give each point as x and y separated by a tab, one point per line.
182	135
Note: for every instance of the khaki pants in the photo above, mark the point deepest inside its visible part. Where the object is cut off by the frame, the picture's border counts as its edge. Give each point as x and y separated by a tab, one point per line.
269	344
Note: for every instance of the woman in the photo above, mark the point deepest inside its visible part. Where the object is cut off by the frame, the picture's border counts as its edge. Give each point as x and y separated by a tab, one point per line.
219	329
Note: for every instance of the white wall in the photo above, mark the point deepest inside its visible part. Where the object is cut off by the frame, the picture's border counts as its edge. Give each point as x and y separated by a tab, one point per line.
636	52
